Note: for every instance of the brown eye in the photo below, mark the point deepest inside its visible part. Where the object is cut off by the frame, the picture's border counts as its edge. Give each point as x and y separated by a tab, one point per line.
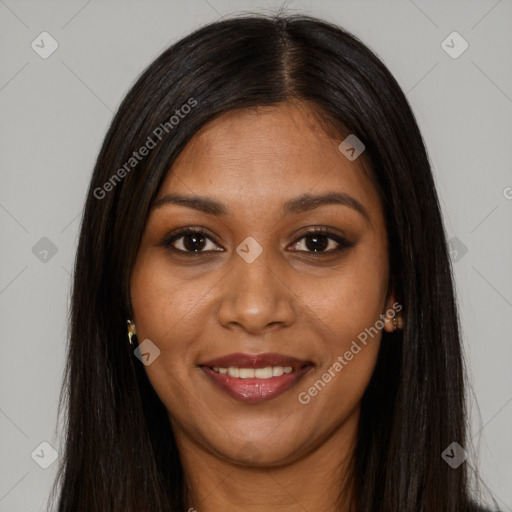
318	241
322	241
190	240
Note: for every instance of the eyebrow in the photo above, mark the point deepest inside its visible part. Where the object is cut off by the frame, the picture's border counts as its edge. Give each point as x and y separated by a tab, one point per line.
300	204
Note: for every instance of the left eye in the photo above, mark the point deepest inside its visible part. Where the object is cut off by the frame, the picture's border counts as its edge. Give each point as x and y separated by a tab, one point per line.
322	242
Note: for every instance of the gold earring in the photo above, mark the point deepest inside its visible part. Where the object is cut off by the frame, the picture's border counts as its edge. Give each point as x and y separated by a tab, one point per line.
132	335
395	322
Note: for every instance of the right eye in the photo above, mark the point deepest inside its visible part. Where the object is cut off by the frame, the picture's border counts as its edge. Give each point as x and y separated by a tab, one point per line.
189	240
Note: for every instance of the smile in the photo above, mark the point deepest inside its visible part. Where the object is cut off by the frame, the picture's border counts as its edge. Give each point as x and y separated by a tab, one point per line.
253	386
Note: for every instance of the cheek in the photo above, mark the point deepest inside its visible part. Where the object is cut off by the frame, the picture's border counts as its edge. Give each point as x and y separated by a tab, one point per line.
174	308
351	335
352	300
348	313
351	329
161	299
165	306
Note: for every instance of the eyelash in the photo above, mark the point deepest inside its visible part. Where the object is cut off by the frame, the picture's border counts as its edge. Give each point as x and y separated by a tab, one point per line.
342	242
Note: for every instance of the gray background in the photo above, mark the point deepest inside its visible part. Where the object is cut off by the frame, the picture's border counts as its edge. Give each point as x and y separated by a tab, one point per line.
55	112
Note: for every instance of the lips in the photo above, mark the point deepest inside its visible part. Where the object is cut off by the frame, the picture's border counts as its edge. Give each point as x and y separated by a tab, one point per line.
256	390
241	360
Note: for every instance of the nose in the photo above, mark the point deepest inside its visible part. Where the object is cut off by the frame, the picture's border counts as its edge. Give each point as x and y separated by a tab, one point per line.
255	296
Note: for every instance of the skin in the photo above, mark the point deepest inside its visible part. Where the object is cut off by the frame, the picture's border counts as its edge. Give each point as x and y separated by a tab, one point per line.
292	300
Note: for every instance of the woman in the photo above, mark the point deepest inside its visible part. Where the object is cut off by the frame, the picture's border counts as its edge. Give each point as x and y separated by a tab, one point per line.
263	315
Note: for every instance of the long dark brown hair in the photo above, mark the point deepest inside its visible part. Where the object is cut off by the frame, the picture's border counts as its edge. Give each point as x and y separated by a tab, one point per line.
120	453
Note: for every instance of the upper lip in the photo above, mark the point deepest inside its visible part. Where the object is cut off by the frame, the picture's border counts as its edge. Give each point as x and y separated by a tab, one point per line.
242	360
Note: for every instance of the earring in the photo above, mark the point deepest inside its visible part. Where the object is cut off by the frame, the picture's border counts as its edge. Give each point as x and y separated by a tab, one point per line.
398	322
132	336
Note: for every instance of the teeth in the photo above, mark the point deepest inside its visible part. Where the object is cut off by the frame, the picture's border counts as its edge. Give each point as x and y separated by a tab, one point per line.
277	371
250	373
233	372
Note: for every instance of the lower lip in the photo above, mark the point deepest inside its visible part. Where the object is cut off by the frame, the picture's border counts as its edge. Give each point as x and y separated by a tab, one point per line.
254	391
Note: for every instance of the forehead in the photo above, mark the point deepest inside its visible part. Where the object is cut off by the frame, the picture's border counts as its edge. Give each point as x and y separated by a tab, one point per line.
265	155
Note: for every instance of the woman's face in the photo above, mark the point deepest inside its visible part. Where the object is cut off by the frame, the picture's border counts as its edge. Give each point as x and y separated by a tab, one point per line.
254	282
